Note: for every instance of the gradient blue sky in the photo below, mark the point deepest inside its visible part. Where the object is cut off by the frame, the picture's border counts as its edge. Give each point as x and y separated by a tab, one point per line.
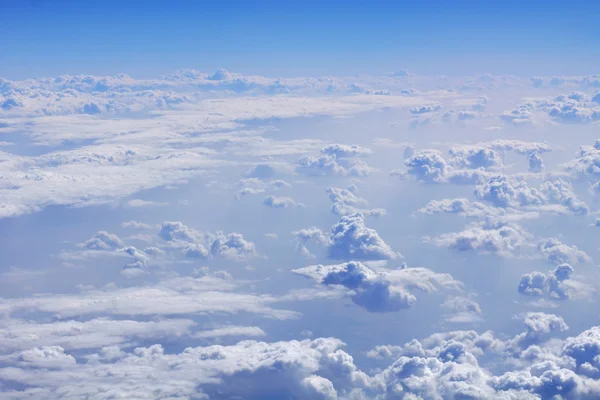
285	38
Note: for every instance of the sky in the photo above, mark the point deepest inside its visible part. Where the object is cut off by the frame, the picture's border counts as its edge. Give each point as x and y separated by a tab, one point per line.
299	200
309	38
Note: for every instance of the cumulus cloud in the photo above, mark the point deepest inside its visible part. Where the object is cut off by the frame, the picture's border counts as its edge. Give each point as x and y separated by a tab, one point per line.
345	202
351	239
102	240
345	151
536	164
281	202
322	166
194	244
492	236
553	196
556	252
430	167
475	157
383	290
554	284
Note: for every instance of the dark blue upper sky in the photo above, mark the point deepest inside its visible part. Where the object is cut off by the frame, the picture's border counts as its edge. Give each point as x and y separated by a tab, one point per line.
291	38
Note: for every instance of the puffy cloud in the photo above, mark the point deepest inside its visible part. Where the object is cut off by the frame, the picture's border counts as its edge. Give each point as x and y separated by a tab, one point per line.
232	246
502	193
268	170
518	146
345	151
462	310
346	202
312	369
460	206
322	166
427	108
409	151
556	252
252	186
586	164
475	157
430	167
380	291
45	357
536	164
573	108
351	239
280	202
427	166
305	236
555	284
491	236
538	325
369	289
102	240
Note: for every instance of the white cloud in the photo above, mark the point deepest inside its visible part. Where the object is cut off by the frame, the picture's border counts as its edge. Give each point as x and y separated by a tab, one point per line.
382	290
281	202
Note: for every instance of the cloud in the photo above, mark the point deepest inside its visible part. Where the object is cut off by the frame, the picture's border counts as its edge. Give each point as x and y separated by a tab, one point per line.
194	244
475	157
462	206
557	252
574	108
555	284
519	146
379	291
144	203
553	196
427	108
345	151
536	164
281	202
489	237
429	166
346	202
91	334
322	166
102	240
351	239
175	296
305	236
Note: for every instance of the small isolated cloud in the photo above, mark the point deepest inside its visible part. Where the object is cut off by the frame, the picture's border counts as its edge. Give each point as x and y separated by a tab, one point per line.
426	108
351	239
491	236
144	203
197	244
345	202
102	240
345	151
252	186
322	166
379	291
280	202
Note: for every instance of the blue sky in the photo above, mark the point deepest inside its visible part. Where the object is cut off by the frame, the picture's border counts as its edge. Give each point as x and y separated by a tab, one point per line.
223	234
298	38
